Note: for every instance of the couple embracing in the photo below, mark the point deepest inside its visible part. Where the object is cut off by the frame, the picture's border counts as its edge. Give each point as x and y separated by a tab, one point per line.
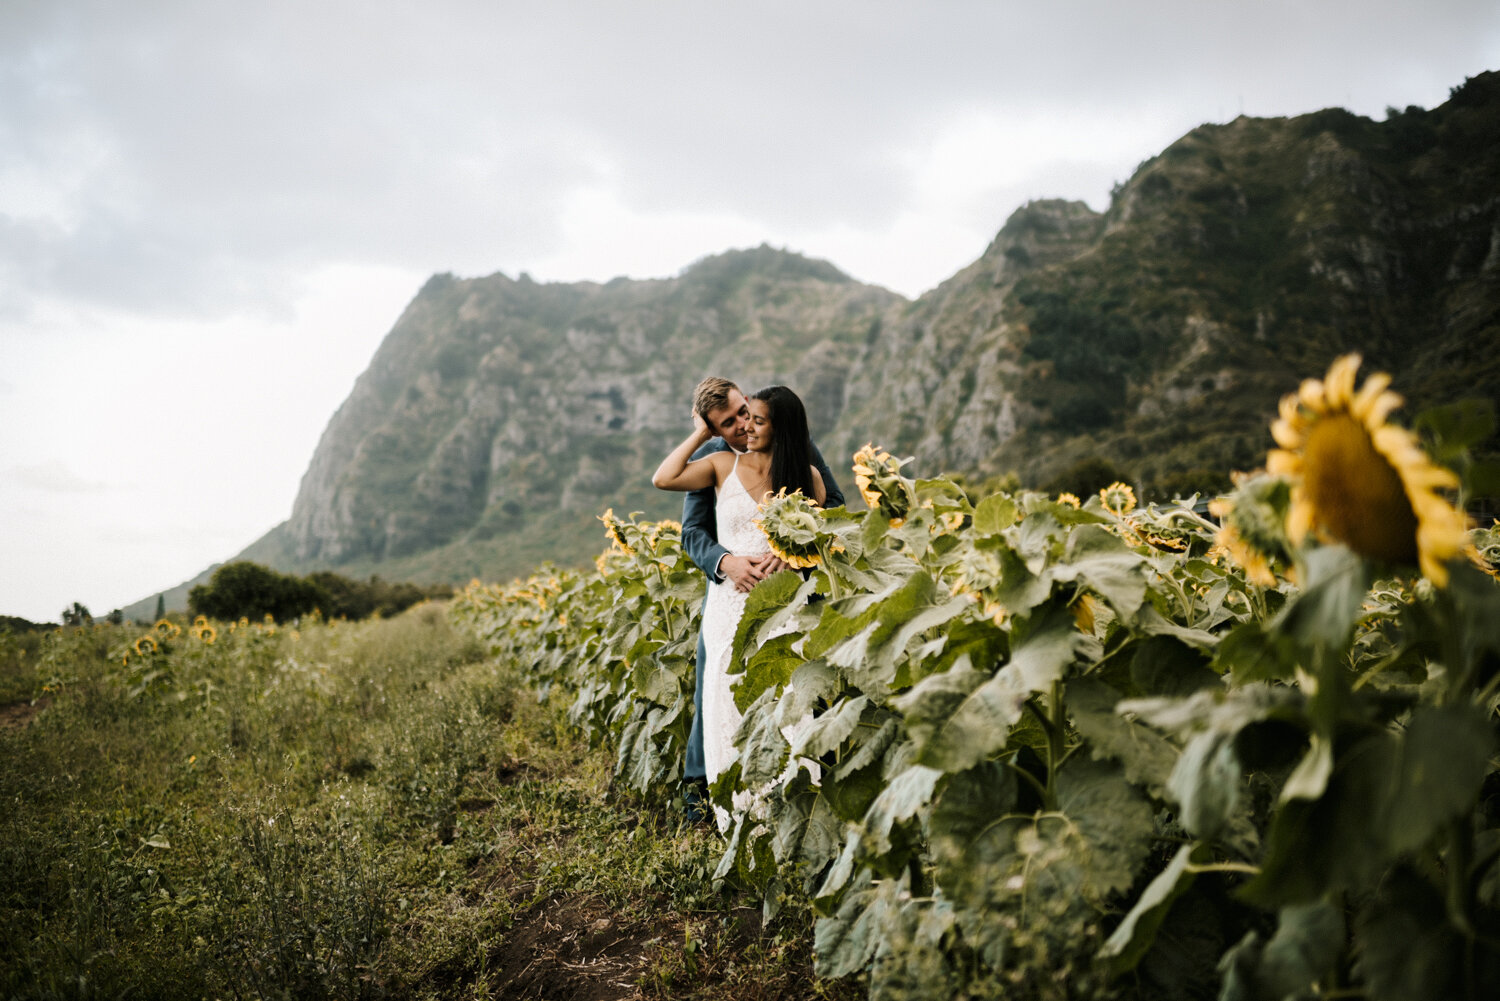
740	451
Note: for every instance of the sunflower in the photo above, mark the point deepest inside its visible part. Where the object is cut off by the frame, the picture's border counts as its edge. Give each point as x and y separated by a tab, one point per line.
877	474
1118	499
792	527
948	522
614	528
206	633
1071	500
1083	612
1484	549
1361	481
1257	568
145	646
1252	526
975	576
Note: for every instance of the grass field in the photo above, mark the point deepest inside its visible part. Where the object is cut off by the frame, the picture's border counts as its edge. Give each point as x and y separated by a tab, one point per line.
342	810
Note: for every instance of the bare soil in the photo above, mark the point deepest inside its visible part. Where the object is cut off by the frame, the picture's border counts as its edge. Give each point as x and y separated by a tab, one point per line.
20	714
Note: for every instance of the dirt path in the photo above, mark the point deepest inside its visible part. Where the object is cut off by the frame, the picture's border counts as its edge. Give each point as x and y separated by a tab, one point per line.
19	714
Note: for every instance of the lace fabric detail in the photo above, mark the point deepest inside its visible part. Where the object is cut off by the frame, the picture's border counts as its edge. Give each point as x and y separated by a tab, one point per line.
735	512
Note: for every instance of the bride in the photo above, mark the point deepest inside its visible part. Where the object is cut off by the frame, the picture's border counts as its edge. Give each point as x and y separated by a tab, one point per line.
779	457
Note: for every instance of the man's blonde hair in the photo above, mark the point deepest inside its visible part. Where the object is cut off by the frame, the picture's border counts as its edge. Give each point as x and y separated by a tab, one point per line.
712	394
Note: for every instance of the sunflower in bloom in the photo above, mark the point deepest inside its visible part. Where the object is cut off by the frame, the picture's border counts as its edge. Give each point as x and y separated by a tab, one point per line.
948	521
877	474
1484	549
1252	526
614	528
1071	500
664	539
145	646
1082	609
975	577
206	633
1118	499
792	527
1359	480
167	630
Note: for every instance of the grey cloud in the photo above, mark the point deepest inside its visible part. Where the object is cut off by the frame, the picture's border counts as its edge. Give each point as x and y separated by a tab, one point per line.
211	152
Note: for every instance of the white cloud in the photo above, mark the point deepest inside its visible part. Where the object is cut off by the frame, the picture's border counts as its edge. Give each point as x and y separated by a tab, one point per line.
52	476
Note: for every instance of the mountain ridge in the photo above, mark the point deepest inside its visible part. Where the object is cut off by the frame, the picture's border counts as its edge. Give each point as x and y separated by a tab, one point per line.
500	415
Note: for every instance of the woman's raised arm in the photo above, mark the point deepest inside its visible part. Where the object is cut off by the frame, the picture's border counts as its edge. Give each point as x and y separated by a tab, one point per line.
676	472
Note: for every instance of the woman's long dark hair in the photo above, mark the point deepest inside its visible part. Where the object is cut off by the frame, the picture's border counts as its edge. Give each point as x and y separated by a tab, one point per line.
791	445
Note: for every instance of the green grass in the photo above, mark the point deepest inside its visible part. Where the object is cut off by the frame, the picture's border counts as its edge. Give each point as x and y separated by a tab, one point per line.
350	811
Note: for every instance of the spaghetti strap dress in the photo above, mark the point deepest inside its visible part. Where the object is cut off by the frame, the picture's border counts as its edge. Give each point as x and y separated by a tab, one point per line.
735	512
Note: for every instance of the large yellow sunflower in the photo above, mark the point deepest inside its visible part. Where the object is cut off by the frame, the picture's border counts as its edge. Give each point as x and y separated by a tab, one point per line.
1361	481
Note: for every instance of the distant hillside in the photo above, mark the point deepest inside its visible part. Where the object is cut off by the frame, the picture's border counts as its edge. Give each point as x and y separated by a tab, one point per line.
501	415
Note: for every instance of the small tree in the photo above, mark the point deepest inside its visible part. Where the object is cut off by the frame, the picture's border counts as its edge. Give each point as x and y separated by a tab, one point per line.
78	615
161	607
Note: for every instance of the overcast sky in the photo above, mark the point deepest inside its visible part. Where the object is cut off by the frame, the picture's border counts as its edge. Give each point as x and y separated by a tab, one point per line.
212	212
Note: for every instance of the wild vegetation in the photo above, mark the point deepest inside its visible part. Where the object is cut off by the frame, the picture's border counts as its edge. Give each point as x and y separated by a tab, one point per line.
1041	747
1066	749
339	810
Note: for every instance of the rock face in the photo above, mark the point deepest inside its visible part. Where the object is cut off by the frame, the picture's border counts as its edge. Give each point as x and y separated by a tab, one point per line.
496	402
501	415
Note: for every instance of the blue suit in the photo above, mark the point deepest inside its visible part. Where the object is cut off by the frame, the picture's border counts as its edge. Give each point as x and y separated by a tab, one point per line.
700	538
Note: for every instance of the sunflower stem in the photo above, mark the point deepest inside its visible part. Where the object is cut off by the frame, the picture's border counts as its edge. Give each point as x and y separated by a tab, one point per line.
1056	742
825	557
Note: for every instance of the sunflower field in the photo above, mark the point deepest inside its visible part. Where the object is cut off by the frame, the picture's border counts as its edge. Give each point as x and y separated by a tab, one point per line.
1055	748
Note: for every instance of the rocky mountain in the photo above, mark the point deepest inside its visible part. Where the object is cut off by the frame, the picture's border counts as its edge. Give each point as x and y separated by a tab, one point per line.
500	415
1160	333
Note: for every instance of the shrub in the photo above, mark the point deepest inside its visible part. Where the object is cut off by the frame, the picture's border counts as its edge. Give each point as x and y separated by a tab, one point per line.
249	590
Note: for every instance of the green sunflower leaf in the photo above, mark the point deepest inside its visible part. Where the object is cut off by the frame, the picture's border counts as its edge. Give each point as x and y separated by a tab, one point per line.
1136	933
768	600
994	514
768	668
960	717
1114	820
1147	756
826	732
900	800
1099	559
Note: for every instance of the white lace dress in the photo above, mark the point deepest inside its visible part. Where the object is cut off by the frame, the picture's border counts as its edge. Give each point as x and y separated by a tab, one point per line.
734	512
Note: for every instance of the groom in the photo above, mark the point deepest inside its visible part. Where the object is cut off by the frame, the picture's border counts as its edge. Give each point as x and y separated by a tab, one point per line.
722	406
